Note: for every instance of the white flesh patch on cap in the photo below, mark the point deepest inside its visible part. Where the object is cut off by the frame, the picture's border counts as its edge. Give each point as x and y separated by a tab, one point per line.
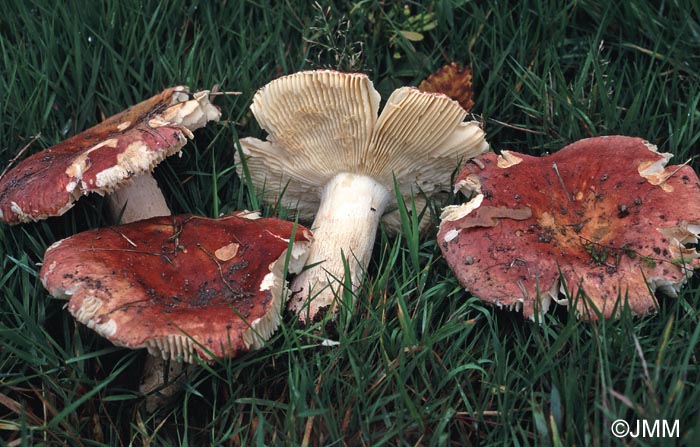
81	164
16	209
262	328
450	235
455	212
469	185
654	171
89	308
180	94
192	114
136	158
507	159
52	266
250	215
185	114
652	147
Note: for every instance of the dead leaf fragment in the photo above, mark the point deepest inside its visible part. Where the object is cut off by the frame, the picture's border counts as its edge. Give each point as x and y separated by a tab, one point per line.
488	216
227	252
453	80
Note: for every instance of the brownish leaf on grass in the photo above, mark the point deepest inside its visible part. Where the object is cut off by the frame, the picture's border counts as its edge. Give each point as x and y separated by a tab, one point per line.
453	80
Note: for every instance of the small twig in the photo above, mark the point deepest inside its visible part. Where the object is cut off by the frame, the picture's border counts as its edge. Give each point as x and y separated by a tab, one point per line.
218	267
519	261
177	229
213	93
132	243
19	154
671	174
561	182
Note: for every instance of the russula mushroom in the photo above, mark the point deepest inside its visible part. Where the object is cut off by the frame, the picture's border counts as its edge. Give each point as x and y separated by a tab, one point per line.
603	220
104	158
181	286
328	155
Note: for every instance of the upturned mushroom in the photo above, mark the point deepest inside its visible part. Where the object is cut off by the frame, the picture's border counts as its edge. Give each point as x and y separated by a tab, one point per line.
117	154
328	155
180	286
603	220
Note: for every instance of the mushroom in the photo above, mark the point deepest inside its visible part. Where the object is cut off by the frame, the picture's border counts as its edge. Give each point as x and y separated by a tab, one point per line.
603	220
327	154
114	157
104	158
180	286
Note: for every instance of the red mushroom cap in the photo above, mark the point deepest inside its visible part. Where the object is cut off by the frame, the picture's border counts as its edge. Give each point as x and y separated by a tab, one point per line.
178	285
103	157
603	214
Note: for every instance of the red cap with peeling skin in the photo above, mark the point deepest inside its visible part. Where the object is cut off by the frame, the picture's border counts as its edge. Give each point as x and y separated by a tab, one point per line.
103	157
604	213
178	285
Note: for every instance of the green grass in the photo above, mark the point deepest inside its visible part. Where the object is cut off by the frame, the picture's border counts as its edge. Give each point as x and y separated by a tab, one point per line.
420	362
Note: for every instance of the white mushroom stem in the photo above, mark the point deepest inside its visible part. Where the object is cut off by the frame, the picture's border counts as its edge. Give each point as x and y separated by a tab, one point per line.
346	224
141	199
